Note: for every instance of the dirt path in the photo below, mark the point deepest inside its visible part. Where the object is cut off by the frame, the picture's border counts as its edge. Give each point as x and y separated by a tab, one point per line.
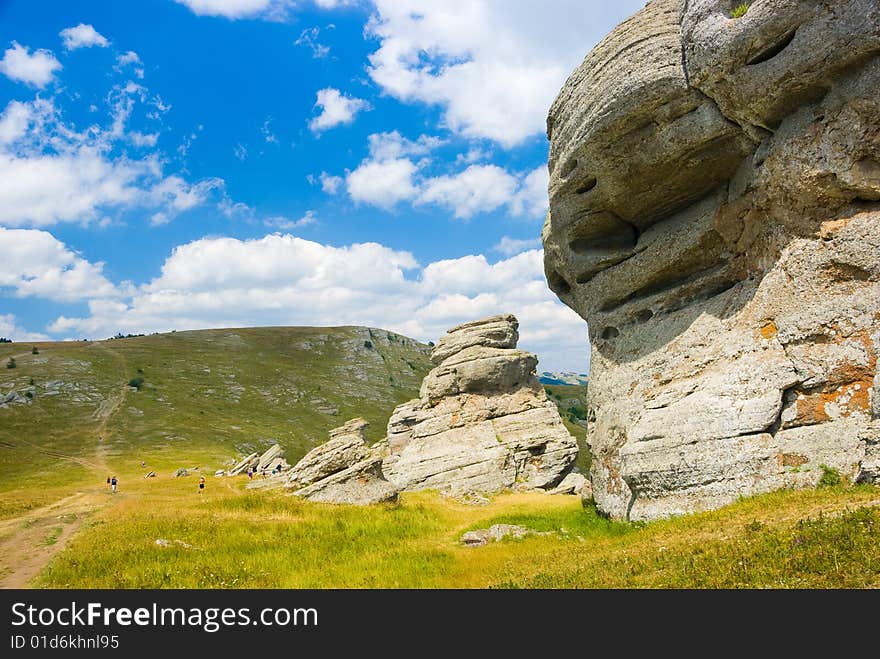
29	542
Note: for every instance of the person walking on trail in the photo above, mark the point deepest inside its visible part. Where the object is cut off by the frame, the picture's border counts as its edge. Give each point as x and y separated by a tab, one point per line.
108	481
251	473
113	484
201	484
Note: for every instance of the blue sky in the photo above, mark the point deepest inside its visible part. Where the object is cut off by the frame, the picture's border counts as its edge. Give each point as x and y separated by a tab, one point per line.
221	163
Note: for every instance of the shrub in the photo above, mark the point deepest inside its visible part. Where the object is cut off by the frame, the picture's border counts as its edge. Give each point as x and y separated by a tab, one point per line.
11	363
368	345
740	10
34	351
830	476
3	339
137	383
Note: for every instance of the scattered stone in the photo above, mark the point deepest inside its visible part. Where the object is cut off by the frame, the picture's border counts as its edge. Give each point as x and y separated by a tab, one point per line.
162	542
151	474
220	472
573	483
496	533
181	472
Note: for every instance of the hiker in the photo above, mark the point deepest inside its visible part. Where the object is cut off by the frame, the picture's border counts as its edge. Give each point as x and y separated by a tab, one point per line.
201	484
251	473
143	464
113	484
108	481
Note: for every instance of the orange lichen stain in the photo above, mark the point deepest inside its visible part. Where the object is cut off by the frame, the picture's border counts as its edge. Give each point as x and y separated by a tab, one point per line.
453	420
632	387
846	400
769	330
831	227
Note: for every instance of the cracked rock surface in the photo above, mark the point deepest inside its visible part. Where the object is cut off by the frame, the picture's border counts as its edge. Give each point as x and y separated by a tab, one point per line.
715	217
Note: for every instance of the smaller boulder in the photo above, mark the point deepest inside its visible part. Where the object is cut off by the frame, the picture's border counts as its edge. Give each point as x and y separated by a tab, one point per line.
362	484
181	472
497	532
347	446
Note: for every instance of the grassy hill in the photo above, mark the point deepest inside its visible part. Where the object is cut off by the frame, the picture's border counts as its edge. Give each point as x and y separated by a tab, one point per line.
202	398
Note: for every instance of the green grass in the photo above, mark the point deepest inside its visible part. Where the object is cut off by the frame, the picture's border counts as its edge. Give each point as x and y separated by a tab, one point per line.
740	10
205	397
823	538
572	403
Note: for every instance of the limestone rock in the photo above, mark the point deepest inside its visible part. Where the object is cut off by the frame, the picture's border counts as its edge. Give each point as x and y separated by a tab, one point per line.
482	423
270	457
714	215
347	446
182	471
496	533
249	461
573	483
361	484
343	470
494	332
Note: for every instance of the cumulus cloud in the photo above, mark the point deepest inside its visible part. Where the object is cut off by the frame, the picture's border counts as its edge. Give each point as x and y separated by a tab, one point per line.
286	280
51	173
336	109
37	70
392	174
82	36
510	246
494	66
309	218
382	183
478	189
132	59
36	264
9	329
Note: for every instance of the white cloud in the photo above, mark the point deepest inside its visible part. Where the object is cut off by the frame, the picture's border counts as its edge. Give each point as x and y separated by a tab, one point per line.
37	70
82	36
10	330
494	66
131	58
285	280
478	189
40	190
309	38
36	264
336	109
510	246
391	145
309	218
240	152
236	9
50	173
532	199
390	175
330	184
382	183
14	121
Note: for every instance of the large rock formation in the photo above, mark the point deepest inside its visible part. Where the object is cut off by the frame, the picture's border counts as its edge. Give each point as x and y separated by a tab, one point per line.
482	422
343	470
715	216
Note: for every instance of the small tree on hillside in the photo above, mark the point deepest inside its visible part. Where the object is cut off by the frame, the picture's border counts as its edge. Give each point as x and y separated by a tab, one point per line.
34	351
11	363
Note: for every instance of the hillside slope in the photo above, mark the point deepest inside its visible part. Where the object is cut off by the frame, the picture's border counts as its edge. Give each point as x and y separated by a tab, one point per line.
206	396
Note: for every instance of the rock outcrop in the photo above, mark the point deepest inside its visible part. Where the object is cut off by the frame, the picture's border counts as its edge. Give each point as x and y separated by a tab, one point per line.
342	470
715	216
482	422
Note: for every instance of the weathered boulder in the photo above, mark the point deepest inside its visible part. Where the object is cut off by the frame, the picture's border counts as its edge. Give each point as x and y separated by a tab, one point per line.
483	422
270	458
361	484
249	461
346	447
496	533
714	215
342	470
574	483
